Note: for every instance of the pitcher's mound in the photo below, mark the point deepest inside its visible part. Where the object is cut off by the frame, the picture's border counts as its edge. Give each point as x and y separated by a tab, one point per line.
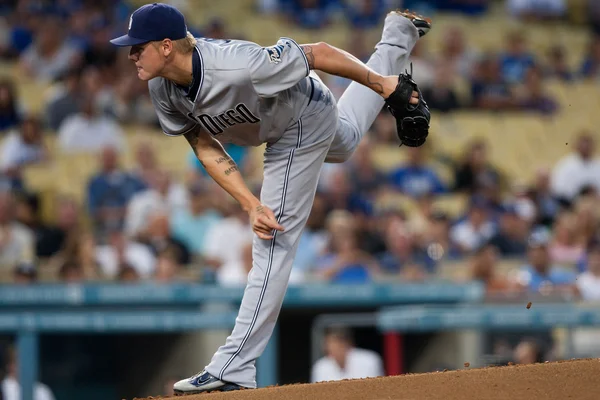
577	380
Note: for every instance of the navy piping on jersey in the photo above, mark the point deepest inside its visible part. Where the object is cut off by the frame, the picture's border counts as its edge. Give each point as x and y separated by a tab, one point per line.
271	251
303	54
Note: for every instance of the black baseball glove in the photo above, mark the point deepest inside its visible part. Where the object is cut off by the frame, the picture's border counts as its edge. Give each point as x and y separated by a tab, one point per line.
412	120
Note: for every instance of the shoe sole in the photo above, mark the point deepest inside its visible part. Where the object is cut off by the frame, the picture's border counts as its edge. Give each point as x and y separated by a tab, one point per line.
228	387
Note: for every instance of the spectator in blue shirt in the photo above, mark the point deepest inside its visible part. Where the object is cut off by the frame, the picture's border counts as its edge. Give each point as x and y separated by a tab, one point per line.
109	191
517	59
416	179
539	275
365	14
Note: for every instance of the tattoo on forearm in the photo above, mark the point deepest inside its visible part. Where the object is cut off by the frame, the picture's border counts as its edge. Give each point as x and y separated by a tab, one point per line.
221	160
260	209
309	56
376	86
231	170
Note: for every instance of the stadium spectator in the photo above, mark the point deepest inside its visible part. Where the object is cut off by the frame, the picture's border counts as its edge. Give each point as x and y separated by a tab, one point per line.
343	360
167	267
48	238
456	57
588	282
441	95
593	13
71	272
489	89
416	178
435	239
474	170
367	179
11	388
513	231
401	250
517	59
309	14
131	102
191	223
89	131
119	250
547	204
528	352
312	241
109	191
340	195
567	245
80	249
533	97
557	66
483	269
578	170
17	243
127	274
146	163
590	69
63	100
25	273
345	262
477	228
159	238
234	272
422	65
163	195
235	230
532	10
539	274
23	148
50	55
365	14
11	109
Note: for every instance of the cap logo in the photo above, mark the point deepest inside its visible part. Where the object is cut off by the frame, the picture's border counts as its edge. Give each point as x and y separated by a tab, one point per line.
130	21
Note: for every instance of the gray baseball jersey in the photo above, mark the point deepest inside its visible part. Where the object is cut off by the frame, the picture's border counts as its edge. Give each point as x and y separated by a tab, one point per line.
248	94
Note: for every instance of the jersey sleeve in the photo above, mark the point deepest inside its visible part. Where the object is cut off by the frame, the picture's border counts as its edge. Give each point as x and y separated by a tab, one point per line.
277	68
172	121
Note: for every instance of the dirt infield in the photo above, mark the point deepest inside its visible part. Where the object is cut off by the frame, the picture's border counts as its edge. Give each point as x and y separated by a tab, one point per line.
577	380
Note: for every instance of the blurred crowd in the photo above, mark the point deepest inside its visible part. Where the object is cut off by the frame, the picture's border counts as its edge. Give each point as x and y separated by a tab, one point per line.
144	223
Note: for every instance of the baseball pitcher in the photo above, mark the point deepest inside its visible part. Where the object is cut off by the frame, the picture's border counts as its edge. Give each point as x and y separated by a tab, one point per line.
230	91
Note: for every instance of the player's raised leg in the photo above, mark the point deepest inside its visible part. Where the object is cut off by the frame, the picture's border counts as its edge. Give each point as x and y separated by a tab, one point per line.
359	106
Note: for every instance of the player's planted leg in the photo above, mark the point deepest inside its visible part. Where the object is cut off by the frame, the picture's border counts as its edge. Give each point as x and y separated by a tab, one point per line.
359	106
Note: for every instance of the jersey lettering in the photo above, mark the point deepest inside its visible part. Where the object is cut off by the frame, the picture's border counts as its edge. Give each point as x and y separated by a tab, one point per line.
216	124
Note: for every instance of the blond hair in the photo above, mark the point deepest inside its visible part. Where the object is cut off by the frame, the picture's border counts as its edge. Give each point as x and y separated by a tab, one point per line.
185	45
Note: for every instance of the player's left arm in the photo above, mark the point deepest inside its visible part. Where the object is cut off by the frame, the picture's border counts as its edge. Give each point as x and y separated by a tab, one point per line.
334	61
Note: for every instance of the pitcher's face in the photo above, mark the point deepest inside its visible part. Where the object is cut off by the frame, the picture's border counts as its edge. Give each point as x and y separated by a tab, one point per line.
148	60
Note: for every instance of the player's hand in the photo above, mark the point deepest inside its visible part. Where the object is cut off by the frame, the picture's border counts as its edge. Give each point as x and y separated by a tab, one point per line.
390	83
263	222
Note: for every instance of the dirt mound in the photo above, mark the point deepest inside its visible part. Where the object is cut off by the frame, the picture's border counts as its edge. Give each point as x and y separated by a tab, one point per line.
577	380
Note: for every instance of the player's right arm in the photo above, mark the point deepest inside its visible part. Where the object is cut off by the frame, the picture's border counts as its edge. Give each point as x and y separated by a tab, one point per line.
221	167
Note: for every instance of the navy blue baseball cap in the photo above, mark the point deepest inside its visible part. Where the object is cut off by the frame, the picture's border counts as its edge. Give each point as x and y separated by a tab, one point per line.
153	22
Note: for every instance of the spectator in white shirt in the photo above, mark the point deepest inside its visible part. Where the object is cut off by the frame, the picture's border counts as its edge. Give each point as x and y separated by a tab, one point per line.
475	230
164	196
120	251
588	283
345	361
50	56
22	147
11	388
225	240
17	242
577	171
89	131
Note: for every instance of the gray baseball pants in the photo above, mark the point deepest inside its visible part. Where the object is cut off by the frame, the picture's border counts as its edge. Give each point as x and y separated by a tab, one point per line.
326	133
